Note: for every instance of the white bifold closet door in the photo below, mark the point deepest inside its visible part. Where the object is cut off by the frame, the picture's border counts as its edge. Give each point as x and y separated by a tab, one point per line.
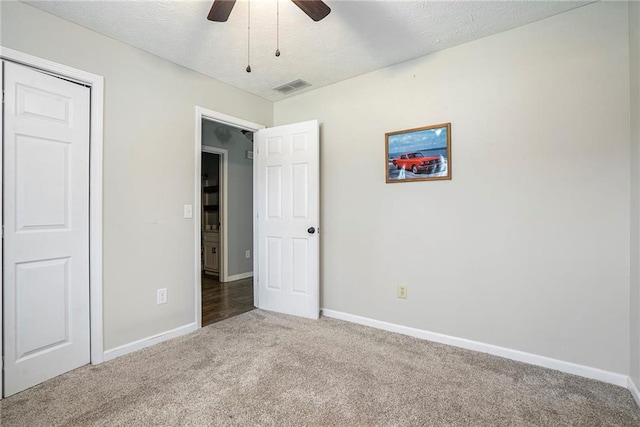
46	227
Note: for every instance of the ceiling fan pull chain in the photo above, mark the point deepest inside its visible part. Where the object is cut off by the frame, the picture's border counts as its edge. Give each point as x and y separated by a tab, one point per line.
277	27
249	37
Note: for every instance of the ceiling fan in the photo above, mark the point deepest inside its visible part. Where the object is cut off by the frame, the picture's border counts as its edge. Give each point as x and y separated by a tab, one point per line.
315	9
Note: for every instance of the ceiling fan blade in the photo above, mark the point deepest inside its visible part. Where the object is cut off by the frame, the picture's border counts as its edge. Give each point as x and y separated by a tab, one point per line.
220	10
316	9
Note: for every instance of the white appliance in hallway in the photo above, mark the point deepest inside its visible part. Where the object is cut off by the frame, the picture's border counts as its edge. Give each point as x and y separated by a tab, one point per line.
46	227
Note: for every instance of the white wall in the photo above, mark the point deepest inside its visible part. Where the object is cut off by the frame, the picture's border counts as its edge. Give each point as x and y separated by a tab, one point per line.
527	247
240	197
149	139
634	72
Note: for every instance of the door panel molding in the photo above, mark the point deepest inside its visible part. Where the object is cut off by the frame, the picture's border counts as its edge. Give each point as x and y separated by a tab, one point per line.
96	102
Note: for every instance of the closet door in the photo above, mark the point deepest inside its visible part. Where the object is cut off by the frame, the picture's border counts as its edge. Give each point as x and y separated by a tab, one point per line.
46	227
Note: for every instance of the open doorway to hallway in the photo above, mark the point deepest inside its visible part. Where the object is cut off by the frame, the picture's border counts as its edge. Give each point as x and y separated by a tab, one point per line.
226	221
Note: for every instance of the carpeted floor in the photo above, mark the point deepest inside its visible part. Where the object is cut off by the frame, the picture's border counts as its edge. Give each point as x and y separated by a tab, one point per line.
261	368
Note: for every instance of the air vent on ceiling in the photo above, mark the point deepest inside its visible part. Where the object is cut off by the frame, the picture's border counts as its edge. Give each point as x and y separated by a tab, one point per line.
292	86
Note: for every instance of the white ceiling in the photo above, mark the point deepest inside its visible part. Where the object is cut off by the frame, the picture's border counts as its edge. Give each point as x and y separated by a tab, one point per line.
357	37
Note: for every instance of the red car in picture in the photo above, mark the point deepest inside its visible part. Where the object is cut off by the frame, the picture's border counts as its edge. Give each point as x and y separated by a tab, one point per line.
417	162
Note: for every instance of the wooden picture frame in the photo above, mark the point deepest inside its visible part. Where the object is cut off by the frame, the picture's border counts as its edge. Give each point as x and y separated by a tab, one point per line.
420	154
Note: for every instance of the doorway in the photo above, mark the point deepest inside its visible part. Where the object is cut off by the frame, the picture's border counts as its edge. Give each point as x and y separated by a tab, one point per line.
226	215
285	214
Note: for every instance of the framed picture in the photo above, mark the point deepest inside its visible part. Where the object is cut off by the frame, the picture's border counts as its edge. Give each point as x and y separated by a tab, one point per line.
421	154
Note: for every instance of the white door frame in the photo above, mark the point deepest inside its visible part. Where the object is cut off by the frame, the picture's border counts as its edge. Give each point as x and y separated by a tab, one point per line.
223	185
206	114
96	86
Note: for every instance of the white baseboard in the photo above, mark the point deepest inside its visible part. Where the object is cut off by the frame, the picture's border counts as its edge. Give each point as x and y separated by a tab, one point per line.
240	276
149	341
507	353
633	388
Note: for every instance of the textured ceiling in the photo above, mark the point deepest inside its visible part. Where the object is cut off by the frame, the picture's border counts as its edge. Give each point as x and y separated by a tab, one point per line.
357	37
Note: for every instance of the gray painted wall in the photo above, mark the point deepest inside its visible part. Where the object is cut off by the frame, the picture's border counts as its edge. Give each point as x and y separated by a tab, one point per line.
634	72
240	197
527	247
149	166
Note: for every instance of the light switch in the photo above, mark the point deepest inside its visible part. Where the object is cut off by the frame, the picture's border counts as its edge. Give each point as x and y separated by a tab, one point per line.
188	211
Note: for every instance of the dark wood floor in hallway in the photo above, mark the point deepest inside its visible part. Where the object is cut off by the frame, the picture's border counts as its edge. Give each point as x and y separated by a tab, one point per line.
223	300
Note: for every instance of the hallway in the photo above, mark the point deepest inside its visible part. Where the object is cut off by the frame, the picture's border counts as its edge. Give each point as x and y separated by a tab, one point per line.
223	300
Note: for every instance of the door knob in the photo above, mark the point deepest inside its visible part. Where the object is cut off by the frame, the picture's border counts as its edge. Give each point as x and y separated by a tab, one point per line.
311	230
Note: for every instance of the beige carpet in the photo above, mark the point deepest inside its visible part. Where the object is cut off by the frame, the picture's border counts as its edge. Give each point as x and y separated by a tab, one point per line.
261	368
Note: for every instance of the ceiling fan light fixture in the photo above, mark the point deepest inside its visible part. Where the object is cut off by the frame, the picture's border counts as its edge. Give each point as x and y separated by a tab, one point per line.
221	9
314	9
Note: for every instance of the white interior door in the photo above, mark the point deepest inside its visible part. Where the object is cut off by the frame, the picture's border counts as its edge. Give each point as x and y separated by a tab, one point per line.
46	227
288	218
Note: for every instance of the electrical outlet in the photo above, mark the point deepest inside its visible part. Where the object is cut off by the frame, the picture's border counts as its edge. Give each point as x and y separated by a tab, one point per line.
161	296
247	254
402	291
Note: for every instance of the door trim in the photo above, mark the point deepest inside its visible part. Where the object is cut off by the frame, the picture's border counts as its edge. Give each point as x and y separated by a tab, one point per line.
96	86
224	176
206	114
